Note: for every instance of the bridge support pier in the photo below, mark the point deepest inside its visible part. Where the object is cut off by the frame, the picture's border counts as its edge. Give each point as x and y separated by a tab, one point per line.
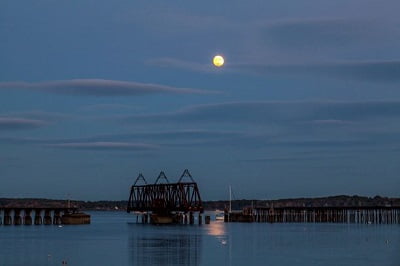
57	217
17	217
38	217
47	218
7	218
28	217
200	219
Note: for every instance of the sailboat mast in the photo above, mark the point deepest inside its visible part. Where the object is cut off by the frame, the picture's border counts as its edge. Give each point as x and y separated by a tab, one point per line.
230	199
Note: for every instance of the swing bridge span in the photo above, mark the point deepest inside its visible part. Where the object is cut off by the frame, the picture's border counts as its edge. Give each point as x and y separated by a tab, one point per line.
165	199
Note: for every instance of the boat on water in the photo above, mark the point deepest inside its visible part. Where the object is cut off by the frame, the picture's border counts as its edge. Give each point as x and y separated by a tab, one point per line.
219	216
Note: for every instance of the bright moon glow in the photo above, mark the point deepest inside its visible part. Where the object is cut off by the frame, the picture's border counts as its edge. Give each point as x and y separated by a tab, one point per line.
218	61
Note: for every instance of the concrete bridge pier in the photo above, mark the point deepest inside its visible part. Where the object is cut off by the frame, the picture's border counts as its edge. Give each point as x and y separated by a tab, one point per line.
38	217
7	217
200	219
47	217
27	217
57	217
17	217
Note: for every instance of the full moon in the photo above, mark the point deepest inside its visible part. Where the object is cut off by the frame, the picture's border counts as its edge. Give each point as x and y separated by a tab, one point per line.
218	61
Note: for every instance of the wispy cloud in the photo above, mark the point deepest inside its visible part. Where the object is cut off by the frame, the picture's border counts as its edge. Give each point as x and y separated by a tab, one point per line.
180	135
109	107
164	138
249	125
314	34
181	64
276	112
298	157
117	146
40	115
13	123
172	20
99	87
377	71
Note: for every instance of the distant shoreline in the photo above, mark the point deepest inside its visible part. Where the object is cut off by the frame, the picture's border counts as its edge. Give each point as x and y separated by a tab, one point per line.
115	205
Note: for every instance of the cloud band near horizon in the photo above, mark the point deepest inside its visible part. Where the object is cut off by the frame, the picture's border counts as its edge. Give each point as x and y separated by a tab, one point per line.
100	87
14	123
317	112
362	70
103	145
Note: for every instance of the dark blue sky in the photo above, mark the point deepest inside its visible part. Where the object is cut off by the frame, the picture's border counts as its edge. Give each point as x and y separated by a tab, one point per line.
93	92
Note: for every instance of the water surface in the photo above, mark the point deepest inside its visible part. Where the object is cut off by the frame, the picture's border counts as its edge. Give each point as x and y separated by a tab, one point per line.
114	239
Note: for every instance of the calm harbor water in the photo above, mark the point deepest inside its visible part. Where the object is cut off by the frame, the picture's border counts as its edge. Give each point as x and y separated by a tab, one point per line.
114	239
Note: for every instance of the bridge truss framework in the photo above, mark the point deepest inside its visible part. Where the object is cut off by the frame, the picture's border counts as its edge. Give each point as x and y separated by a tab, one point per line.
165	198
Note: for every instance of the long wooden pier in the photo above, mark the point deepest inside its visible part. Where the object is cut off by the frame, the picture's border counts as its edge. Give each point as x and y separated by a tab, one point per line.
359	215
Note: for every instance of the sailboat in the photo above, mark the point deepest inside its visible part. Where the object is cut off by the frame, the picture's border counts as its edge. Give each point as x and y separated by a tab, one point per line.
220	215
244	215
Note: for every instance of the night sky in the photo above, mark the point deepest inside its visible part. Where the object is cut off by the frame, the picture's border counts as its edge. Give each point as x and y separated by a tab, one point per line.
93	92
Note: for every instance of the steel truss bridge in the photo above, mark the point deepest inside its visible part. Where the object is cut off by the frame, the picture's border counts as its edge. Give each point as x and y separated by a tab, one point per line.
164	197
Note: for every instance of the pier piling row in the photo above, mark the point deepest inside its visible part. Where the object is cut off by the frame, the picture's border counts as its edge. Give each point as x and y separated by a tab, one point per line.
359	215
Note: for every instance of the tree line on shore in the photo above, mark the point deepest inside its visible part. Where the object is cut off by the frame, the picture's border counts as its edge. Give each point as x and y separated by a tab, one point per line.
332	201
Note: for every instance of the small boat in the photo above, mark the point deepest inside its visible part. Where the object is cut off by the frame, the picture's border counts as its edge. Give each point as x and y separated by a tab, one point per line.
219	216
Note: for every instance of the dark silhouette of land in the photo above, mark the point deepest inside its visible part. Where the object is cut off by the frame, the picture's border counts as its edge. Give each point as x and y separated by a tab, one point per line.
332	201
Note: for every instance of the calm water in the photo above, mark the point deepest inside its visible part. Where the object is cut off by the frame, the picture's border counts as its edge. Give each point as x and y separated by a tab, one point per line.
113	239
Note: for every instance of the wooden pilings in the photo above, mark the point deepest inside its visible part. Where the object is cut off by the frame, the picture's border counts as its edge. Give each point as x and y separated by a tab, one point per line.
360	215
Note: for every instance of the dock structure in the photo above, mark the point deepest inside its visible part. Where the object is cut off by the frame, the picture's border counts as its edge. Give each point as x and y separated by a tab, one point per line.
38	215
166	202
348	214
